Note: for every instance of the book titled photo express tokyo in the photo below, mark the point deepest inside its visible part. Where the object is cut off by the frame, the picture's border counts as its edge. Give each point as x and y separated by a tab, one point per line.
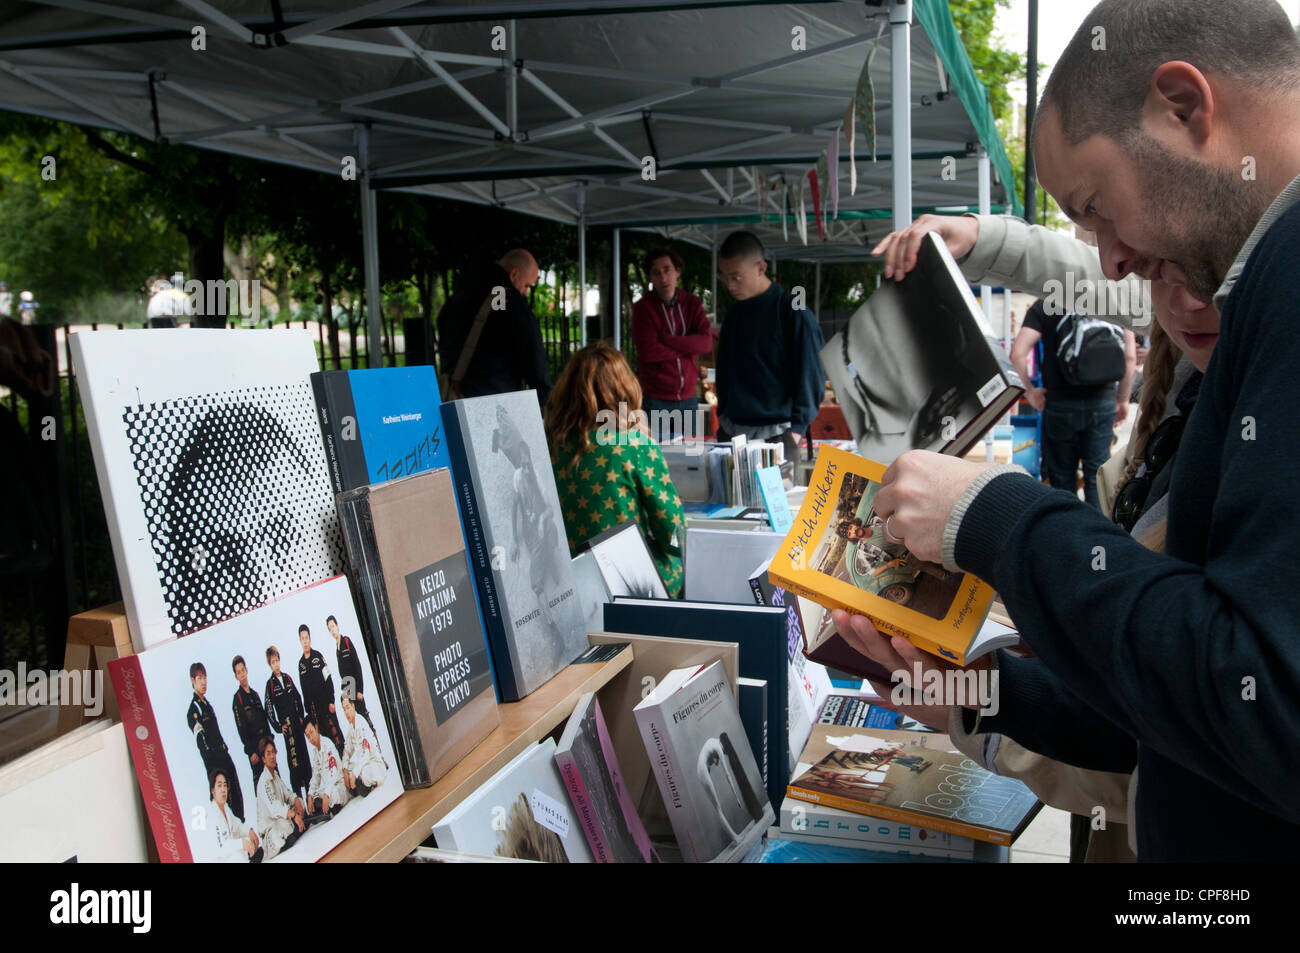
417	597
838	555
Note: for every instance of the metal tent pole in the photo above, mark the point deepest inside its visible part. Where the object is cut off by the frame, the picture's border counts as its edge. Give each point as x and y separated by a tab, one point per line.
817	290
582	260
986	199
900	92
713	301
1031	104
618	290
370	252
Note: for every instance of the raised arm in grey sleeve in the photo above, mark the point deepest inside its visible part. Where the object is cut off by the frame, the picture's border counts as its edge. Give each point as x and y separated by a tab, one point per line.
1014	254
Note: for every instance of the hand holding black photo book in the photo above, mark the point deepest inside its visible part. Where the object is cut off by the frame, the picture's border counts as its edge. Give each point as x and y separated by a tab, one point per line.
917	367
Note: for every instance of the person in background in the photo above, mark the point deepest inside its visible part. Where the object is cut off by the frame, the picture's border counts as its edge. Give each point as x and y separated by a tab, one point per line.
27	307
671	331
506	351
1079	421
608	469
770	375
6	300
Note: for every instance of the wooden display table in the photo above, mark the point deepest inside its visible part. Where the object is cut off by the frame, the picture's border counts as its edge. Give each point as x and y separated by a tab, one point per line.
402	826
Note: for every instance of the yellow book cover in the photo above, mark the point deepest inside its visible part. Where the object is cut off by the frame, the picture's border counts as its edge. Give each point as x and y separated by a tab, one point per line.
837	555
912	777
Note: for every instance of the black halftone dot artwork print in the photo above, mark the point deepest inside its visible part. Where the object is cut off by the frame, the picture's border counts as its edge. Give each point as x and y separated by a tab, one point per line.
239	508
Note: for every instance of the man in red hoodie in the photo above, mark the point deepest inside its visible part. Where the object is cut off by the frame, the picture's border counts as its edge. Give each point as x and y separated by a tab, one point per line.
670	330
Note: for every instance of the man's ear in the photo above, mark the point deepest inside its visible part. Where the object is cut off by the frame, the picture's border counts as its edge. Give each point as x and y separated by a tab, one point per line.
1180	106
762	266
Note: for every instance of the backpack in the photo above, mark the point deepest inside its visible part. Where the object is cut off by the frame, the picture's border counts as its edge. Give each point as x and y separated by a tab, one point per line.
1090	351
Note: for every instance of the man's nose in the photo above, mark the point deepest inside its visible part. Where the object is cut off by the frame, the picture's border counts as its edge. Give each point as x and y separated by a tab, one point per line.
1117	258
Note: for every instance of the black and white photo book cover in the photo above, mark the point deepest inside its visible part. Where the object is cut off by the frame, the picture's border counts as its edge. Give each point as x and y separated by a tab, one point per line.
211	468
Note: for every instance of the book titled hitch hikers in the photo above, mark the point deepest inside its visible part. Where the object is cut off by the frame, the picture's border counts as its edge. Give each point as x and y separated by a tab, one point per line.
379	424
912	777
259	701
837	555
701	760
423	627
511	513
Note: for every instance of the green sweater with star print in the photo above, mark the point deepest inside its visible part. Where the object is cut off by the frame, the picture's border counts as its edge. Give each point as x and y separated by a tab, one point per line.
615	482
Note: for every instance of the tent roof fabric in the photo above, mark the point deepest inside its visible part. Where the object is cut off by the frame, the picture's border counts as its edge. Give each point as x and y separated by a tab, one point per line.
548	108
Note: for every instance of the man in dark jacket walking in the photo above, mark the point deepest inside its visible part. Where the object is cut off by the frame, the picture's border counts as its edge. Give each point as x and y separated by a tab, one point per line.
770	375
670	330
507	355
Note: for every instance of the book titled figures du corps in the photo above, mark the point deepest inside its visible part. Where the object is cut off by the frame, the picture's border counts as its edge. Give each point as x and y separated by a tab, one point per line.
702	762
422	619
511	513
838	555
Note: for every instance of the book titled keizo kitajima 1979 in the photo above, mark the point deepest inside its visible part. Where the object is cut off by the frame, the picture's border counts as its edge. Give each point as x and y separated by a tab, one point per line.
417	595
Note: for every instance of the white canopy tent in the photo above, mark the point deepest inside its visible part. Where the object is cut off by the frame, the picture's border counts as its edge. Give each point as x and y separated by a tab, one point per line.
544	107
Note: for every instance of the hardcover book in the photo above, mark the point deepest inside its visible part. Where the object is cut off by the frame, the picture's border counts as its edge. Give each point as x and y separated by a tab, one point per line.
625	562
601	800
423	627
911	777
522	811
379	424
751	699
511	513
762	635
74	799
716	561
592	591
246	742
917	367
838	555
707	777
809	683
211	467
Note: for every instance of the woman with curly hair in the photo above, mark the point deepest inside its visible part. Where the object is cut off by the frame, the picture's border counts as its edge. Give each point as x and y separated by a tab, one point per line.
608	469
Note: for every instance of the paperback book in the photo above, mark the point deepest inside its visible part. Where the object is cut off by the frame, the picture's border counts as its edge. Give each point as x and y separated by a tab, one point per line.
707	777
601	800
420	608
511	513
625	562
210	463
246	743
911	777
838	555
816	822
522	812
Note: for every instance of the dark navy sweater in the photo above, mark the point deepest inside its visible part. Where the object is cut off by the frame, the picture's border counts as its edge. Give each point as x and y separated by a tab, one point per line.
769	363
1185	665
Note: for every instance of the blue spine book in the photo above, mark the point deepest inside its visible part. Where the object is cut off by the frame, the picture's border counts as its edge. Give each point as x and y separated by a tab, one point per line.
379	424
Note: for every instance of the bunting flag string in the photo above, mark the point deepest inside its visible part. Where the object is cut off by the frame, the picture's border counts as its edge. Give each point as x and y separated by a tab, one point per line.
816	201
